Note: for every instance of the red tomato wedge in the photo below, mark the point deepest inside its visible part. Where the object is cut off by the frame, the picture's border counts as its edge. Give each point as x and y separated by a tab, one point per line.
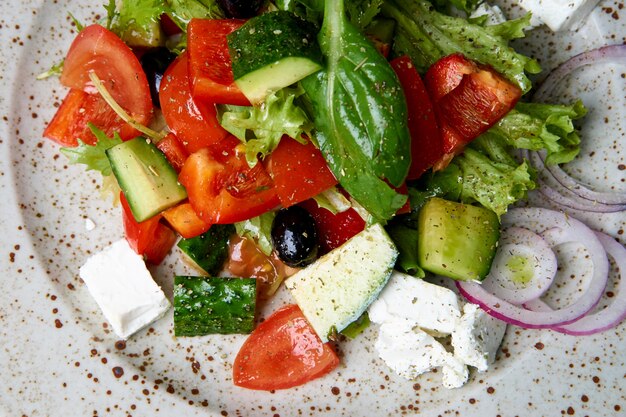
426	141
283	352
77	110
210	69
149	238
299	171
101	51
185	221
222	188
173	150
468	99
334	229
194	124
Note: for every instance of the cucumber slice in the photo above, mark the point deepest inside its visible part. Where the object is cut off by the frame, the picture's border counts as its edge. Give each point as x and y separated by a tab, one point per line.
146	178
335	290
207	305
209	250
273	51
457	240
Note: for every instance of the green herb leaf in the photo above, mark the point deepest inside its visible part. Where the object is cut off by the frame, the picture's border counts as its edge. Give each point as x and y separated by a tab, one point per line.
362	12
262	127
259	229
182	11
56	69
111	9
427	35
79	26
468	6
93	156
359	109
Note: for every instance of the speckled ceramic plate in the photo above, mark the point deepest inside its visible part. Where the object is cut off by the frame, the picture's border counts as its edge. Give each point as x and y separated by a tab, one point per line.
58	356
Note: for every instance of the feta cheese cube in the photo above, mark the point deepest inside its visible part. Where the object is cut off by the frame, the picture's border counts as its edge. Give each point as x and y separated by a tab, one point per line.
477	337
560	14
119	281
411	352
430	307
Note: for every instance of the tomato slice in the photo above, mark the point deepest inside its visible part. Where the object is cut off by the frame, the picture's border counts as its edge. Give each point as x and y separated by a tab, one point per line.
283	352
101	51
173	150
185	221
149	238
333	230
299	171
76	111
210	69
222	188
194	124
426	141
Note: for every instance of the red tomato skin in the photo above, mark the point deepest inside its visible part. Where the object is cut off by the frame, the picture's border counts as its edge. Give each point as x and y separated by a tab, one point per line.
194	124
162	243
99	50
333	229
299	171
77	110
173	150
283	352
223	189
210	68
185	221
426	140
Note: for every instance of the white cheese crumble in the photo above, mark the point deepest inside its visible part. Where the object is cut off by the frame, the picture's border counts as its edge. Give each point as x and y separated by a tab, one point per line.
119	281
89	224
412	313
560	14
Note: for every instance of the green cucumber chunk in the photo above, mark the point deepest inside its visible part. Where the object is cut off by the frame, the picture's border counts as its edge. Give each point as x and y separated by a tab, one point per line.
146	178
335	290
457	240
208	305
273	51
209	251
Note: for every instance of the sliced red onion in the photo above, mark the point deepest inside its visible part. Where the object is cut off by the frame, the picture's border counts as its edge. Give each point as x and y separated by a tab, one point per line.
606	54
613	313
529	248
556	228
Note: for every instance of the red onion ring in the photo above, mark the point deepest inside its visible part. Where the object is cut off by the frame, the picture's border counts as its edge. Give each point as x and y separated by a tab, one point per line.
518	241
608	317
606	54
556	228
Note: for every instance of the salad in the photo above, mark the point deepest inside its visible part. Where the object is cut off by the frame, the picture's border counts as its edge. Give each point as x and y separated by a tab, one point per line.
326	145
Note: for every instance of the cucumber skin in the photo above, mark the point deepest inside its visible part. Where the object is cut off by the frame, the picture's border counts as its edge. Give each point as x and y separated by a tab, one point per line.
259	34
209	305
210	249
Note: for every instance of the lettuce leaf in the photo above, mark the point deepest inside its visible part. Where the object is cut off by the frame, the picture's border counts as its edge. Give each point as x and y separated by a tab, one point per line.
259	229
487	172
182	11
262	127
137	21
468	6
427	35
93	156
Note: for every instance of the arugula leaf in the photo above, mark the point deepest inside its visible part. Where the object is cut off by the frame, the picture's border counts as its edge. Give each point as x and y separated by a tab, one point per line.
93	156
111	9
427	35
259	229
262	127
182	11
77	23
359	109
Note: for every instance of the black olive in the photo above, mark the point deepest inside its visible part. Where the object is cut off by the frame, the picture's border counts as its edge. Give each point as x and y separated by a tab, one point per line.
294	236
241	9
154	63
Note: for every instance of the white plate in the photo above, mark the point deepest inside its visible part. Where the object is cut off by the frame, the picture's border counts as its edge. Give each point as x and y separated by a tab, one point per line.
58	357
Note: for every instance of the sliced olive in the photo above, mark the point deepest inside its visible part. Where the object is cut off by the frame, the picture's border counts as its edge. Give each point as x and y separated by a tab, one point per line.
154	63
294	236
